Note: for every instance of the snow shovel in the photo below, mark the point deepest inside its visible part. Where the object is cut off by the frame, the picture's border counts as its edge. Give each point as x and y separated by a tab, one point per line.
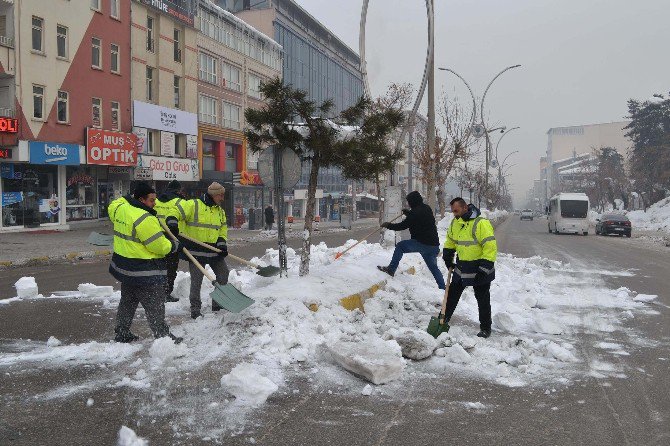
227	296
438	325
265	271
340	254
98	239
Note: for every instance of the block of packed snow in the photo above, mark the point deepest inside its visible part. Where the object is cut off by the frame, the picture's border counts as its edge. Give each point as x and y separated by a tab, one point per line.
367	390
505	322
247	384
128	437
456	354
26	287
53	342
414	344
165	350
91	290
644	297
373	358
561	353
547	325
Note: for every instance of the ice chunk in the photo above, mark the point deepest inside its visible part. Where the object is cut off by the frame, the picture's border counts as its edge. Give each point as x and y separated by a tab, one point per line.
414	344
457	354
367	390
91	290
374	359
53	342
128	437
644	297
505	322
248	385
165	350
547	325
89	402
561	353
26	287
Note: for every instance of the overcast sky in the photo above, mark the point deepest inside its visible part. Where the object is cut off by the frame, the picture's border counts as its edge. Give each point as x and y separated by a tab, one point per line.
581	59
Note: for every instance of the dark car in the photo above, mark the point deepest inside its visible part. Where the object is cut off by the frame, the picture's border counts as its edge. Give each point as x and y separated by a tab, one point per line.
613	224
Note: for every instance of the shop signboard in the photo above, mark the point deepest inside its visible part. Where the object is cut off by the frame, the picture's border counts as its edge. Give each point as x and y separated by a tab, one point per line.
9	125
165	119
167	169
53	153
6	154
142	135
144	173
109	148
191	146
180	10
167	143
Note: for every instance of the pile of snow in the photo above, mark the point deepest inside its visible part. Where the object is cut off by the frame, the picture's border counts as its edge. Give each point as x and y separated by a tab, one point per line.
90	290
26	287
374	359
128	437
495	216
53	342
415	344
657	217
247	384
164	350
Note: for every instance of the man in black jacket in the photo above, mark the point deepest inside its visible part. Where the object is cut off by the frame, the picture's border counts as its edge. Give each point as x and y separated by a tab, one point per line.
421	223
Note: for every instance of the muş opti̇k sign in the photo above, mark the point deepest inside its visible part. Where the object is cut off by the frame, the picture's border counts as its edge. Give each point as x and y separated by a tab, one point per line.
111	148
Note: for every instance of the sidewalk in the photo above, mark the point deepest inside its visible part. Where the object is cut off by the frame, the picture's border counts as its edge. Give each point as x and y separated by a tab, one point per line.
20	248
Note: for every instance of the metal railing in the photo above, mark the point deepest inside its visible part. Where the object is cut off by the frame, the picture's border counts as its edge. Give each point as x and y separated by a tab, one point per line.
7	112
7	41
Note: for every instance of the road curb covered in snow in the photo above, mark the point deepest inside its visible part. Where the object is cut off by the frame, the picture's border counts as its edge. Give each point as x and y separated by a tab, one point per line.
43	260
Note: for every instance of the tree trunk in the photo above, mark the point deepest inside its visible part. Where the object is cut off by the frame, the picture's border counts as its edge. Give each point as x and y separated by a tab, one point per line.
309	218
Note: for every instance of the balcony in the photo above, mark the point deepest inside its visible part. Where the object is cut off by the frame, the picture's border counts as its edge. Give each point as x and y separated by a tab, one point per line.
7	57
7	42
7	112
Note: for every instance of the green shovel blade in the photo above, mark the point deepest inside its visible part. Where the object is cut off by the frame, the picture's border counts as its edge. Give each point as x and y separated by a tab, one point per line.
268	271
98	239
230	298
435	329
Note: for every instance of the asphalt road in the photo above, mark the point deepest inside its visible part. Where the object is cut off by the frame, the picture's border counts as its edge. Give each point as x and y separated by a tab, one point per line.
632	411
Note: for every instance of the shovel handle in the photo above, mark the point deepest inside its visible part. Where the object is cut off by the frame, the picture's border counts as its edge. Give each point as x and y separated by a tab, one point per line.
188	254
217	250
340	254
444	300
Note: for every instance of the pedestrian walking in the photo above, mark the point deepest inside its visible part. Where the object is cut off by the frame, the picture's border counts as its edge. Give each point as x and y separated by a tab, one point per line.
471	237
138	262
269	217
420	221
205	221
168	208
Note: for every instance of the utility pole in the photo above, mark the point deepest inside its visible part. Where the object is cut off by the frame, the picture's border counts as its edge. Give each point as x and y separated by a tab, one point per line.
432	198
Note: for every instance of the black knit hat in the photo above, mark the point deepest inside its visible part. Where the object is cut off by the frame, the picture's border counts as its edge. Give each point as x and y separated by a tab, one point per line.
143	189
174	185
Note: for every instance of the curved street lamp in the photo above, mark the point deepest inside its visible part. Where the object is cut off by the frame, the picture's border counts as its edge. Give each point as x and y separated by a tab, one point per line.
472	95
502	136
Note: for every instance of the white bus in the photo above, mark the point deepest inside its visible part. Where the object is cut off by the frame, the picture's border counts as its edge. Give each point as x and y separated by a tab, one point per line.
569	212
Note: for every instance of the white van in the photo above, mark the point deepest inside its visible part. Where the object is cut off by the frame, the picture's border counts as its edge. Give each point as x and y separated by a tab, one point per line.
568	212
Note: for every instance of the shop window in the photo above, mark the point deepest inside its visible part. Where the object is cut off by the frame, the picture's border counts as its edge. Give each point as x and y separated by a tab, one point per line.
62	41
38	34
208	161
180	145
231	157
96	106
38	102
96	44
63	109
29	194
116	116
80	194
114	65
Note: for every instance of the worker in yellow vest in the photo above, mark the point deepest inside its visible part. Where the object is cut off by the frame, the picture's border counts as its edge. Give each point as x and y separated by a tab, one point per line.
471	237
138	262
170	211
205	221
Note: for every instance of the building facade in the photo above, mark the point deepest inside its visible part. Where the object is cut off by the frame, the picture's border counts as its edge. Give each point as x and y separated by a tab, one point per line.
233	59
53	64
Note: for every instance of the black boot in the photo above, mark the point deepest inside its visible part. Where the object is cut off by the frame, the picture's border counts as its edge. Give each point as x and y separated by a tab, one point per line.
386	270
125	336
170	298
176	339
195	314
484	333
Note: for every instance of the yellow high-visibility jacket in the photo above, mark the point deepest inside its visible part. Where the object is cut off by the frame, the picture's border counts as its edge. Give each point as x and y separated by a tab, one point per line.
139	243
475	244
169	209
205	221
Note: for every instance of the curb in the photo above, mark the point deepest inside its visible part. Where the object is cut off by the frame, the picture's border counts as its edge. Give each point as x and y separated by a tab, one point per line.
42	260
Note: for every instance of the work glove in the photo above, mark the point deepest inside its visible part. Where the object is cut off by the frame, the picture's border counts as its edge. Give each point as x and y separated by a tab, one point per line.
177	247
406	212
221	244
173	225
448	257
385	224
482	275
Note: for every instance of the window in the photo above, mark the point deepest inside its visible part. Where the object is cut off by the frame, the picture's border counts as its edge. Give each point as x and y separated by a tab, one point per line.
177	91
231	115
38	34
61	41
177	47
116	116
254	86
180	145
150	33
207	110
150	84
95	4
231	77
114	9
63	115
97	112
38	102
152	141
208	68
95	53
115	58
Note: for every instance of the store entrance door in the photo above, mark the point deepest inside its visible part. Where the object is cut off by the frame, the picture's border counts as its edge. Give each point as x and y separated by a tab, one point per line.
40	204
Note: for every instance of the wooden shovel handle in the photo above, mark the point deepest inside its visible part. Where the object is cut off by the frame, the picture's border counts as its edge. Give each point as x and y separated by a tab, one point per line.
340	254
188	254
215	249
444	300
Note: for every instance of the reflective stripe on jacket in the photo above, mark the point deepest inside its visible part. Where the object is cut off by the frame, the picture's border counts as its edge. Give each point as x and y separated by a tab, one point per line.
475	244
206	223
171	208
139	243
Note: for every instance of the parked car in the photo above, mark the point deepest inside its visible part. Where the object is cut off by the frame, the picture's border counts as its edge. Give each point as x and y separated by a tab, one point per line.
613	224
526	214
